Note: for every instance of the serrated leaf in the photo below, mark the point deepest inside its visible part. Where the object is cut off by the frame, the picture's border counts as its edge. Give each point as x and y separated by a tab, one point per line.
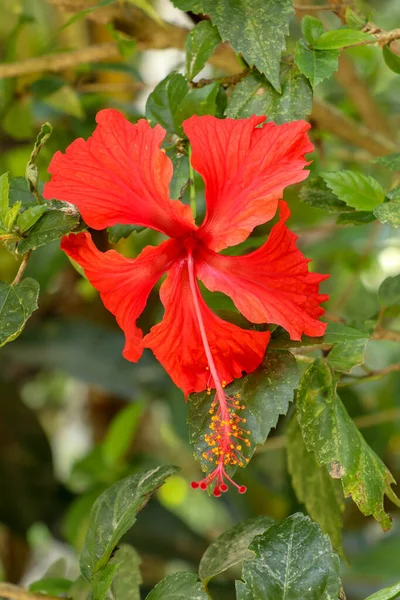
391	59
390	161
119	232
200	45
52	225
296	100
312	28
181	174
127	581
349	346
17	303
148	9
316	193
360	217
266	394
194	6
389	212
389	292
4	191
389	593
251	96
293	560
340	38
164	101
331	434
254	28
114	512
199	101
360	191
29	217
179	586
321	495
316	65
231	547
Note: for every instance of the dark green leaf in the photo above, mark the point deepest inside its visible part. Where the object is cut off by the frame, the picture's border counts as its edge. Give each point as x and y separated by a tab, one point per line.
389	212
31	172
17	303
114	512
51	586
164	101
231	547
4	191
119	232
29	217
199	101
340	38
389	593
389	292
194	6
296	100
19	192
180	177
349	346
312	28
293	560
180	586
252	96
331	434
316	193
254	28
390	161
391	59
321	495
360	191
356	218
200	45
266	395
128	578
52	225
316	65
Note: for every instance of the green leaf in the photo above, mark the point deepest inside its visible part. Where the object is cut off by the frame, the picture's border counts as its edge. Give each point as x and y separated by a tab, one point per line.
293	560
349	346
83	13
66	100
389	212
316	193
179	586
11	216
254	28
194	6
354	20
231	547
251	96
19	192
164	101
199	101
52	586
102	580
17	303
180	177
337	443
31	172
391	59
4	191
389	292
360	191
265	393
321	495
311	28
356	218
114	513
148	9
390	161
121	432
296	100
52	225
340	38
128	578
29	217
119	232
389	593
200	45
316	65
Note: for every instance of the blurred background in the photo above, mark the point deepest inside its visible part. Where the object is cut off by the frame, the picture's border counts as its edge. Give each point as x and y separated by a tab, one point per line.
74	415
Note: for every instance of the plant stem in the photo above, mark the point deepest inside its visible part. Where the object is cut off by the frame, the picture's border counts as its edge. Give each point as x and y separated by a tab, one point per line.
22	268
14	592
191	184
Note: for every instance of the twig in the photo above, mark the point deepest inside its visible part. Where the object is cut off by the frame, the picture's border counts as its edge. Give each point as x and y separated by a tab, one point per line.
370	376
14	592
226	81
386	334
22	268
381	38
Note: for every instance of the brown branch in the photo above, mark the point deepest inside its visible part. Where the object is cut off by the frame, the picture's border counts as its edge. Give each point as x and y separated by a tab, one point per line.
22	268
226	81
381	38
386	334
14	592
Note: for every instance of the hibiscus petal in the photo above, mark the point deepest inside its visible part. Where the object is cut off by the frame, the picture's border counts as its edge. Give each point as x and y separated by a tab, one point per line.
124	284
270	285
245	169
119	175
177	344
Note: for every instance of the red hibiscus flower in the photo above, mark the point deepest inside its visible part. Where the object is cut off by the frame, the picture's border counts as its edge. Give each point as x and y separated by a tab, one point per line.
120	175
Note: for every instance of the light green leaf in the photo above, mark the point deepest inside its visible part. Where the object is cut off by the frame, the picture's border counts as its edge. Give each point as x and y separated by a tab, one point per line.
316	65
4	191
316	193
360	191
389	212
391	59
321	495
389	292
179	586
29	217
52	225
164	101
102	580
266	394
66	100
17	303
231	547
293	560
312	28
390	161
340	38
126	583
121	433
11	216
354	20
200	45
114	512
254	28
360	217
349	346
331	434
194	6
51	586
389	593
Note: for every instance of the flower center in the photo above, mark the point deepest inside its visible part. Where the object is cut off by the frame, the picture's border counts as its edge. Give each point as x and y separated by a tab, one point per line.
226	435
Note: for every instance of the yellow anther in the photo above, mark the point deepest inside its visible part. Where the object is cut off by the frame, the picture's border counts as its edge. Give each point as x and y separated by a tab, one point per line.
238	447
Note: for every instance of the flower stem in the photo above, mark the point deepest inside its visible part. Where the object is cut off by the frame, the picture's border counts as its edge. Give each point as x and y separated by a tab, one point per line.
191	184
